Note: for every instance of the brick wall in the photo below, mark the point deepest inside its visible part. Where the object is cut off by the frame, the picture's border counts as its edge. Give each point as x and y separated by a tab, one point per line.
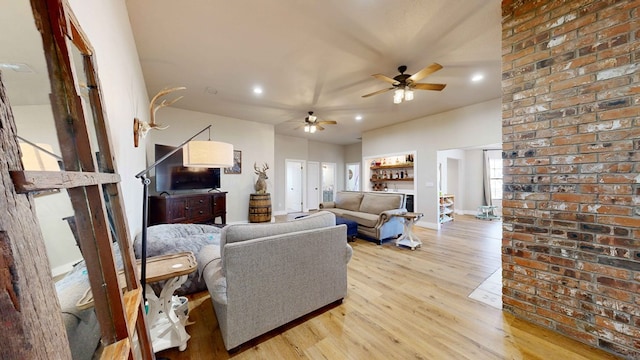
571	141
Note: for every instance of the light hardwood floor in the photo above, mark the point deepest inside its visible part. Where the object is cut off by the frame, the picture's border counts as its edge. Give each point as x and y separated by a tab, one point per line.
402	304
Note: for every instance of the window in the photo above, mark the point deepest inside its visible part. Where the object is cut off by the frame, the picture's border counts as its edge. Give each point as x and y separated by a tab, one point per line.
495	178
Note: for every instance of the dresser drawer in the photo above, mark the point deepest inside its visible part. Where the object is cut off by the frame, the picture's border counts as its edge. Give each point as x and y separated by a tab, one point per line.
199	201
199	213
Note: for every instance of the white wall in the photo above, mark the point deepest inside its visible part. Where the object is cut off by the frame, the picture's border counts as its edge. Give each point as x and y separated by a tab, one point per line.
106	24
286	148
294	148
255	140
473	172
473	125
35	123
353	154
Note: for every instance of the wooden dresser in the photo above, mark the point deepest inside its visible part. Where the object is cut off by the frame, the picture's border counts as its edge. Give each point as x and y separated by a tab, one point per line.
188	208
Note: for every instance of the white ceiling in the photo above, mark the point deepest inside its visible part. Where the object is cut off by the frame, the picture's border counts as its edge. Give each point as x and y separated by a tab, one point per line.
307	56
319	56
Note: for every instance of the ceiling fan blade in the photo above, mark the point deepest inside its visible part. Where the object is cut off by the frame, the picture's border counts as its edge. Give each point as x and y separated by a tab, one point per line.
385	78
437	87
319	127
424	72
327	122
378	92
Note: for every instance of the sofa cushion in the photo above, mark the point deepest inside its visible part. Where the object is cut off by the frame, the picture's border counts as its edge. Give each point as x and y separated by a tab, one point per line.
337	211
241	232
363	219
348	200
377	203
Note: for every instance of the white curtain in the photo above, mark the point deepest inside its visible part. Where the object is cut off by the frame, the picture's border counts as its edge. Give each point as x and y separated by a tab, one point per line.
486	179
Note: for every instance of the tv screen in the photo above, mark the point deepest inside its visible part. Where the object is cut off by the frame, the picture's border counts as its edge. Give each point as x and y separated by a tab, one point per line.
171	175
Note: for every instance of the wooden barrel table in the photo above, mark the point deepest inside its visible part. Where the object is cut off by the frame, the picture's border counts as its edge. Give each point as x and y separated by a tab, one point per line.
259	208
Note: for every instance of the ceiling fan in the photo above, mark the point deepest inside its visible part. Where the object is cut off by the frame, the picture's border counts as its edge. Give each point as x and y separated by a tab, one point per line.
311	123
404	84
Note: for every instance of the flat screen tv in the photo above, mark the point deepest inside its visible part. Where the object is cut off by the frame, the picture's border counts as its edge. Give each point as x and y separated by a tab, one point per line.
171	175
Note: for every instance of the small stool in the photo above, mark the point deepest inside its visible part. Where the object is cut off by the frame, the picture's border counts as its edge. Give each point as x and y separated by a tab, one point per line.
487	212
352	227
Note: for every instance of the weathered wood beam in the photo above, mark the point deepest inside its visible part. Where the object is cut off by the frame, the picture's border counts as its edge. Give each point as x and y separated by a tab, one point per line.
30	181
32	326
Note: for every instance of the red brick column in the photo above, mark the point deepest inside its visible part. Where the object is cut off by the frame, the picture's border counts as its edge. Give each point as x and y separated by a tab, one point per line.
571	140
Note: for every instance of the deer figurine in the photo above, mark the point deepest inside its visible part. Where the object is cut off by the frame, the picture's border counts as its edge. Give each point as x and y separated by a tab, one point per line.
261	184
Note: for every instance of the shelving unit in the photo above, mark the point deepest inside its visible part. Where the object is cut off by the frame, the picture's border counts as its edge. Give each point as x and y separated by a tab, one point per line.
390	169
446	208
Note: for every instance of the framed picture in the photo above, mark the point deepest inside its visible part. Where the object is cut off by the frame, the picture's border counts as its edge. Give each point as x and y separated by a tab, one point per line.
237	163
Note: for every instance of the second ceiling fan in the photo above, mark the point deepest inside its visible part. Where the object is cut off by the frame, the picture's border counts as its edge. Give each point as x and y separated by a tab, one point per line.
404	84
311	123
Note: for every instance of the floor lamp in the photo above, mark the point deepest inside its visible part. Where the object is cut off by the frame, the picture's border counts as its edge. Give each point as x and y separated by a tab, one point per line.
207	154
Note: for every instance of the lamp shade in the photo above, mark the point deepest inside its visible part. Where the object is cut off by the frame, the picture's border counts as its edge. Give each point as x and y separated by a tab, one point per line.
209	154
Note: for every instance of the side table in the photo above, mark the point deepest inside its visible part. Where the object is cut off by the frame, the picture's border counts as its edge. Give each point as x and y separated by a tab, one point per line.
408	238
167	326
166	323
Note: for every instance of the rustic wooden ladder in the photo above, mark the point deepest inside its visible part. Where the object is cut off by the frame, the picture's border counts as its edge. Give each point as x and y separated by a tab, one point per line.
91	180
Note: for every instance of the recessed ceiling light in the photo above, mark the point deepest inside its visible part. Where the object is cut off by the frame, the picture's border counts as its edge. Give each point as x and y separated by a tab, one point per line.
257	90
477	77
358	117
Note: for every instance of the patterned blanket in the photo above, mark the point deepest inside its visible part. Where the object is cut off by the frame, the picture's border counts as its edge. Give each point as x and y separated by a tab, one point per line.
174	238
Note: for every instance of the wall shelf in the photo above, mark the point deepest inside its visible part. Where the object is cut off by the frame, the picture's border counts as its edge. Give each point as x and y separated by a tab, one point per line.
395	166
387	180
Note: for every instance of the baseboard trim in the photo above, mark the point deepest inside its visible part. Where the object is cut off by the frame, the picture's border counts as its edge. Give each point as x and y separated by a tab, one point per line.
427	225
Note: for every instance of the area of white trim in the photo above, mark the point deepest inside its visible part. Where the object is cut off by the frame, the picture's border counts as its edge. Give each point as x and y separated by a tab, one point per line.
427	225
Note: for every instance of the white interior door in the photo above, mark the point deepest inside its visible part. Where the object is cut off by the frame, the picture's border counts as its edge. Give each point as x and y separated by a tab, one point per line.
293	195
313	185
328	181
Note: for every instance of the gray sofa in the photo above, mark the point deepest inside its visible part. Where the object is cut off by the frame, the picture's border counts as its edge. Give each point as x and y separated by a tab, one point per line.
373	211
265	275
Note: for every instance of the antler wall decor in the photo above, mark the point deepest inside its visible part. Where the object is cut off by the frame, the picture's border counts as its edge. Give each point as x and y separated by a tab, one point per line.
141	128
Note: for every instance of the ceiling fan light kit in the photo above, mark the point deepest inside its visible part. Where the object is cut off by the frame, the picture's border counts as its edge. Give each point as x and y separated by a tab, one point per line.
401	95
404	84
312	124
